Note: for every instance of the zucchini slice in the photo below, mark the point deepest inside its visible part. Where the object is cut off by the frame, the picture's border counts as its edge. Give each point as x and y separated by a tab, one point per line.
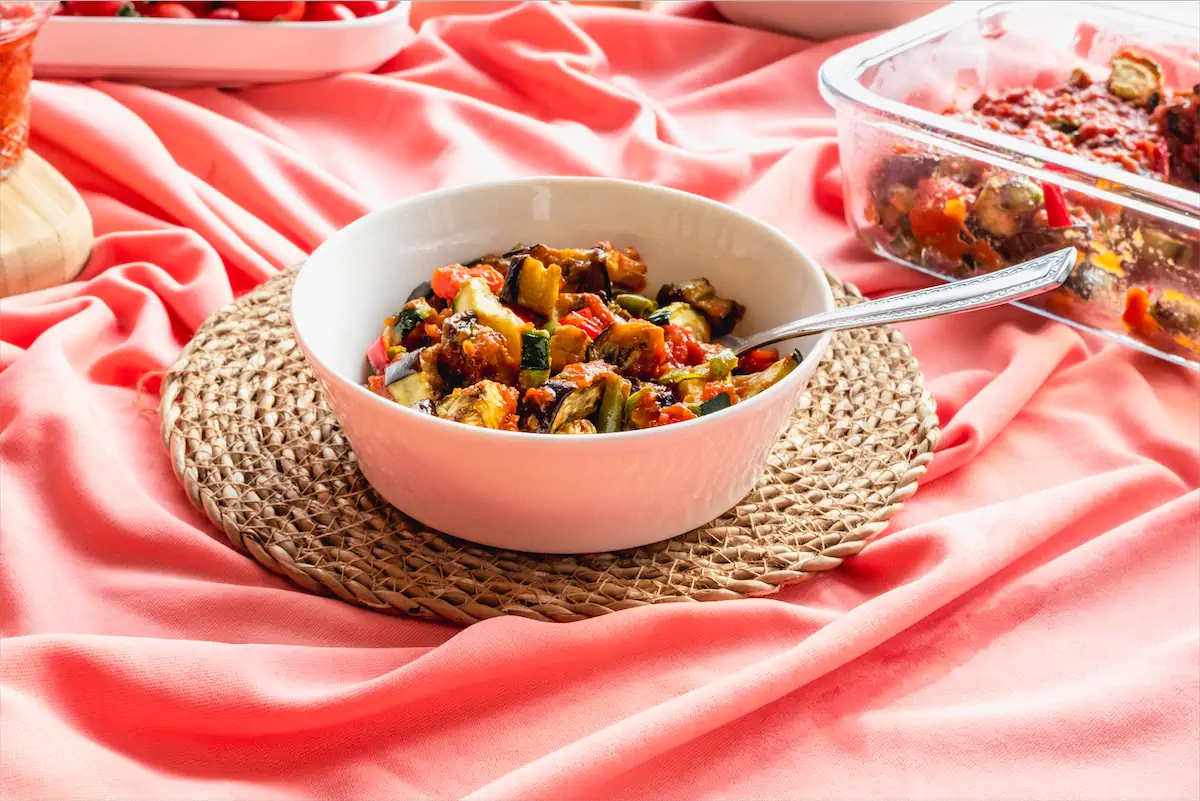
716	403
683	315
535	358
413	314
748	386
722	313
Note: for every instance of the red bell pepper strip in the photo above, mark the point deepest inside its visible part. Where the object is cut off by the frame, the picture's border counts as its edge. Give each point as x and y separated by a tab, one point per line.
1056	206
584	321
377	355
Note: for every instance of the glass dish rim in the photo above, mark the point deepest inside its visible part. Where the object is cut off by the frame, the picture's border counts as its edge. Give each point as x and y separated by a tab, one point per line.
838	80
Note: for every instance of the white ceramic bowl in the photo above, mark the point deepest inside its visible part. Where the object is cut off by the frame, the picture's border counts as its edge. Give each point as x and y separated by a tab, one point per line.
539	492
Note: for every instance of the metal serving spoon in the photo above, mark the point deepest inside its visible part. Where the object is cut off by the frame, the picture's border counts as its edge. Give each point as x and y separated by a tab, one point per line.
1003	286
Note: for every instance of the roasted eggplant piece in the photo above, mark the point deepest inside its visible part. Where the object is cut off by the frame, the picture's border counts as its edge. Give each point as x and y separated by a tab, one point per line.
684	316
475	296
637	348
568	345
531	284
625	267
406	380
424	291
747	386
582	270
583	426
486	404
546	409
1134	77
425	407
1005	204
722	313
471	351
1179	316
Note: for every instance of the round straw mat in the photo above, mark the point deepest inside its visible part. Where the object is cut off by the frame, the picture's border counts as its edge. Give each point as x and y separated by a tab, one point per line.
260	453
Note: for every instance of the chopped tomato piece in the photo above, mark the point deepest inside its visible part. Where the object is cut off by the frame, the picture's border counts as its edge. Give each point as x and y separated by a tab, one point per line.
675	413
447	281
1137	312
683	349
714	388
376	385
758	360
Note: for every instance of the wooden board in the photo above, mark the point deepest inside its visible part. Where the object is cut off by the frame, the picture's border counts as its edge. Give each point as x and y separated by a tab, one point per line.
45	229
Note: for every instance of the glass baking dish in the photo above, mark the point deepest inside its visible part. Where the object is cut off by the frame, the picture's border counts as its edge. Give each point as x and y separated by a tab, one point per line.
1138	279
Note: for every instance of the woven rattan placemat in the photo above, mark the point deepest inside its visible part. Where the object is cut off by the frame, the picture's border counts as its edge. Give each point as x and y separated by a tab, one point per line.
258	450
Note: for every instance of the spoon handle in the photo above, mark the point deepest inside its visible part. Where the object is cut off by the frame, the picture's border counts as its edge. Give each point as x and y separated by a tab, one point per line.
1003	286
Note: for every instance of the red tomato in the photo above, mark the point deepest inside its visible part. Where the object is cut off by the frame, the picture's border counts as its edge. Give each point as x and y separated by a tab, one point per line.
327	12
758	360
447	281
102	8
224	12
270	10
172	11
365	8
200	9
683	347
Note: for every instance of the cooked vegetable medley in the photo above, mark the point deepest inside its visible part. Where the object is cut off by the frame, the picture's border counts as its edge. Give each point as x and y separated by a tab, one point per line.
960	217
564	342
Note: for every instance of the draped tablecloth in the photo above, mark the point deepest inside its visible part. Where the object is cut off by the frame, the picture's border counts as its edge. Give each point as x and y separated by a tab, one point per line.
1029	627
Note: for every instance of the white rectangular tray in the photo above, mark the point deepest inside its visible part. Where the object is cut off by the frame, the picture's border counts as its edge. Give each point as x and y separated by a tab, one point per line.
182	52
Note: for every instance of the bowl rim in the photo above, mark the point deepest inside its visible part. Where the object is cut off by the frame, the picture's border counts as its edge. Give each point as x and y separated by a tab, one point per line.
815	353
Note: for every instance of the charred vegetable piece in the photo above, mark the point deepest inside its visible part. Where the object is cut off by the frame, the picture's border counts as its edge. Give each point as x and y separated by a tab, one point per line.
1161	247
471	351
535	358
637	305
1006	203
625	267
717	368
531	284
475	296
715	404
748	386
1179	315
583	426
612	405
423	290
582	270
568	345
406	381
684	316
413	314
425	407
551	406
637	348
486	404
722	313
1134	77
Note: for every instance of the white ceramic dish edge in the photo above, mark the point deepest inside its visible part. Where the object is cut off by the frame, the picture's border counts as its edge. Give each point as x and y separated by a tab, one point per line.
554	494
175	52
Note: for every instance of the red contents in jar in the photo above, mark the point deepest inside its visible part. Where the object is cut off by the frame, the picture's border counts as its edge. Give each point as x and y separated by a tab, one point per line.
19	23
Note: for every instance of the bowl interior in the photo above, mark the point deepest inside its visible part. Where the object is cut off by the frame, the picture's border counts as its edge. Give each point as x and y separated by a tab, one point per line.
364	273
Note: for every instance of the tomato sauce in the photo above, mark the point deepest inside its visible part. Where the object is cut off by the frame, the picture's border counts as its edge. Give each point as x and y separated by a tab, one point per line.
1087	119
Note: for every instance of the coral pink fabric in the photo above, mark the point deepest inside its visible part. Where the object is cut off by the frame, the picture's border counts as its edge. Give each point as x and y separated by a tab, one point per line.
1029	627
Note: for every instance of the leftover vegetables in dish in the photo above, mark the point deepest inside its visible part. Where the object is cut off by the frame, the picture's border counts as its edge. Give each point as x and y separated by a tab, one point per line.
563	341
1136	274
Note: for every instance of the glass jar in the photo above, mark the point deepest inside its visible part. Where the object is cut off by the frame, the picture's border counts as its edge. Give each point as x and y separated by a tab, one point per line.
19	24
